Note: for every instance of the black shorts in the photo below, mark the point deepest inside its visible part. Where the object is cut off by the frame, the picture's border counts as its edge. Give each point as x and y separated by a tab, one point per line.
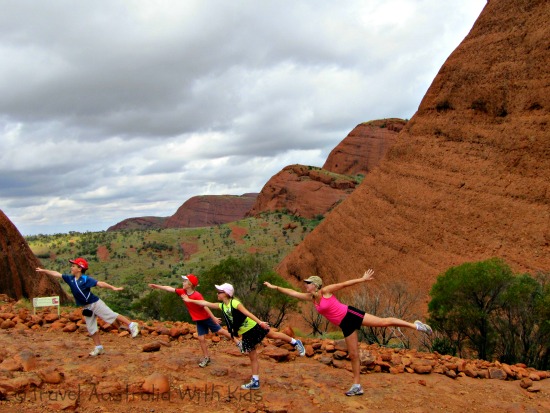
352	320
252	337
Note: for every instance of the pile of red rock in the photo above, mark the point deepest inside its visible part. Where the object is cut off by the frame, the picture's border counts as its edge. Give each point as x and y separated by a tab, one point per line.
374	359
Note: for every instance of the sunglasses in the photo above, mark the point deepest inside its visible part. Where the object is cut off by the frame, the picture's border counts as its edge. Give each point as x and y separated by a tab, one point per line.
220	292
307	282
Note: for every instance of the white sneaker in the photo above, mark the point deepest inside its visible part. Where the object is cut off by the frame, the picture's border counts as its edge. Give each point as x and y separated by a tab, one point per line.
97	351
204	362
251	385
355	390
425	328
299	346
240	346
134	329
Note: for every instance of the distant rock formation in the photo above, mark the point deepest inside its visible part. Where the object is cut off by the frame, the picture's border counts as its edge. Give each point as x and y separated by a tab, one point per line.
309	191
207	210
468	177
304	191
139	223
364	147
198	211
18	277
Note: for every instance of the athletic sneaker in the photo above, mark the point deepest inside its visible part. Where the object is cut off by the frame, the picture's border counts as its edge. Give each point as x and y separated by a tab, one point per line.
300	348
204	362
134	329
355	390
420	326
97	351
252	385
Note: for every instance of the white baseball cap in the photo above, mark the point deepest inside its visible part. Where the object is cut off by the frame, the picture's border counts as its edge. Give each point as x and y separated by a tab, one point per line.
226	288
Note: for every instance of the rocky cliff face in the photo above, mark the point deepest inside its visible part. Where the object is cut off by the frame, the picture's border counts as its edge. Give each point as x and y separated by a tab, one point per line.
468	177
18	278
309	191
207	210
304	191
364	147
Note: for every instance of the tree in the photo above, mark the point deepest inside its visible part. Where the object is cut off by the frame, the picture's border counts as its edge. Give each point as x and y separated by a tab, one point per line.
247	276
525	312
160	305
465	301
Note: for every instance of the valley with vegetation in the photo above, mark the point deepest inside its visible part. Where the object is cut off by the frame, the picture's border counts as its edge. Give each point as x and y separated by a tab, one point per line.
133	259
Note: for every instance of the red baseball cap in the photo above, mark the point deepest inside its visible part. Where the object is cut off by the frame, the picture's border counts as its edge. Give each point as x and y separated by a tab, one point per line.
192	279
81	262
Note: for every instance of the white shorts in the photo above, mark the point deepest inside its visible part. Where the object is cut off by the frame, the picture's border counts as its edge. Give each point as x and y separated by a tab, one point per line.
101	310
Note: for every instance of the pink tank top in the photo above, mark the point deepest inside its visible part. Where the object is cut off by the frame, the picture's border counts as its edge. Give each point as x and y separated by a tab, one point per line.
332	309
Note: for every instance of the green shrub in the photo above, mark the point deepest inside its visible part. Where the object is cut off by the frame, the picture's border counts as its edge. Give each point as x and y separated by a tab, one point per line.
443	346
483	307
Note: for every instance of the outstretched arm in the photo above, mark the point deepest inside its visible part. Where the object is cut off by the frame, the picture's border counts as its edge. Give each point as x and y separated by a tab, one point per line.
202	303
217	320
367	276
163	287
289	291
242	309
49	272
103	284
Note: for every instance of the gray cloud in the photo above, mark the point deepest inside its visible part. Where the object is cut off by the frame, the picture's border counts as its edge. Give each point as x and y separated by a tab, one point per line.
114	109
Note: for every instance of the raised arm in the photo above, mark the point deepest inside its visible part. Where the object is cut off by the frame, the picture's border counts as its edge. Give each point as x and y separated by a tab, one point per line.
163	287
367	276
202	303
290	292
103	284
49	272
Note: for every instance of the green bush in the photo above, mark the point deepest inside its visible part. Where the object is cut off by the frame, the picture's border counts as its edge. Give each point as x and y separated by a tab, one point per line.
485	308
247	275
443	346
163	306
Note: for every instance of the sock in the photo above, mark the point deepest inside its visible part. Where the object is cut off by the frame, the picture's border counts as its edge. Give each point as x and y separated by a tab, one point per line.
256	377
293	341
100	346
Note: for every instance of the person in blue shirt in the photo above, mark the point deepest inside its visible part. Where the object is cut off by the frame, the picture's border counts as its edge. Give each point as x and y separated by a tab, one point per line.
93	306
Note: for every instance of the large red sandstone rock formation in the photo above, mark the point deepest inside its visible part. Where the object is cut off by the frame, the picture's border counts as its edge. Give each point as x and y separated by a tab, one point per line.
18	278
199	211
469	176
308	191
364	147
304	191
207	210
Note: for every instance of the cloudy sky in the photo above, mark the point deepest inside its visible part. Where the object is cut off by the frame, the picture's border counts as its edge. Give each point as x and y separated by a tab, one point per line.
112	109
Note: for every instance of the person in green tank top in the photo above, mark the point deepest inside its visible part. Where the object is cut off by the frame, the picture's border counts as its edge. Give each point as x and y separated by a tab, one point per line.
241	322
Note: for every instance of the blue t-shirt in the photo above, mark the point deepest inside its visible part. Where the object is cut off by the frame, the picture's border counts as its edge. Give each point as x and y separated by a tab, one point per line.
81	288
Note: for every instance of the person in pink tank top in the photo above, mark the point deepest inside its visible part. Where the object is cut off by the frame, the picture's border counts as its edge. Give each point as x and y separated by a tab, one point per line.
348	318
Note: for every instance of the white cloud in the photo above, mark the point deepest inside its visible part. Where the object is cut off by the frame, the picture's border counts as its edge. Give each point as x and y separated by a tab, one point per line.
122	108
